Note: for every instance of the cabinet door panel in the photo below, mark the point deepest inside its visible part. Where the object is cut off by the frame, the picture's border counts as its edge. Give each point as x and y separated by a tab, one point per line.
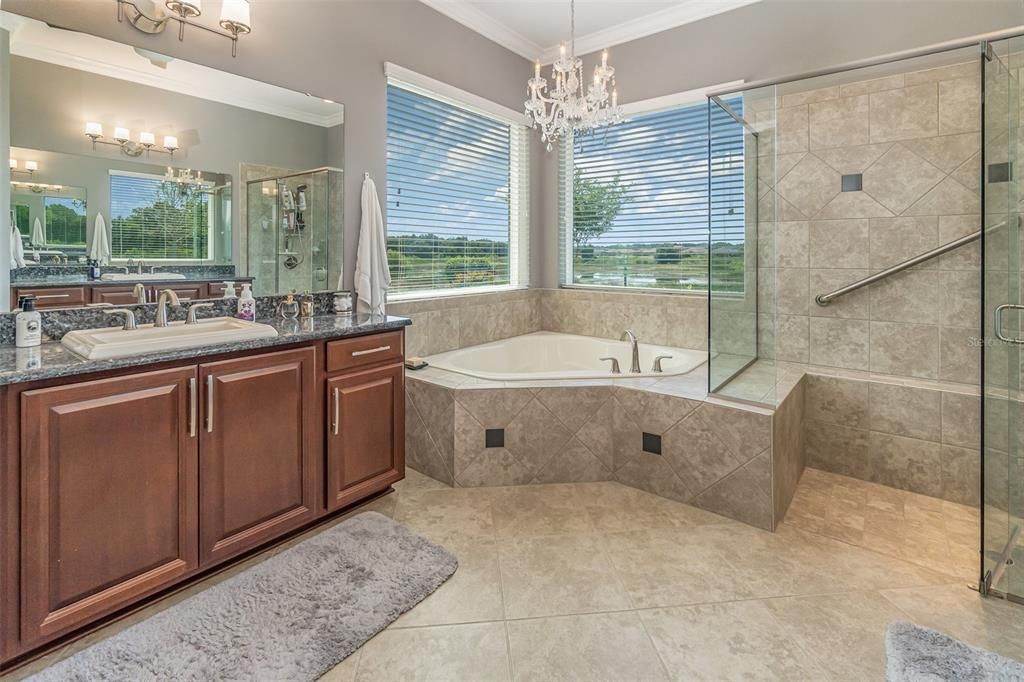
186	292
109	496
114	296
366	439
257	469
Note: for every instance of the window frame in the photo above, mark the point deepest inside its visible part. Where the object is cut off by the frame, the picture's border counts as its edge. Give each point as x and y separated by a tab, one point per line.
696	97
519	178
210	241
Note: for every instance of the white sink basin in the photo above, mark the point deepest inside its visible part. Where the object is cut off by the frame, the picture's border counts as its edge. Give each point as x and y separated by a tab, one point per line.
137	277
103	344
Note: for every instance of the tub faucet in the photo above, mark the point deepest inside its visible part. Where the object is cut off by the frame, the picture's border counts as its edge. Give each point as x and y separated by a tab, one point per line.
634	366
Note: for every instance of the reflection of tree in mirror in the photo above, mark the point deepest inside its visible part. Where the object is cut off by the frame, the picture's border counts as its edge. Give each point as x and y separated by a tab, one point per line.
154	219
65	221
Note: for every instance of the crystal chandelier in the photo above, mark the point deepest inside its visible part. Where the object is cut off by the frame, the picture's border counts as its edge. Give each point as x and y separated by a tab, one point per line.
567	108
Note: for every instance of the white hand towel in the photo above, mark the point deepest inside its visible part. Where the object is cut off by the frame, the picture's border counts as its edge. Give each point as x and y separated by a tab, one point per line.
99	250
38	234
17	249
372	277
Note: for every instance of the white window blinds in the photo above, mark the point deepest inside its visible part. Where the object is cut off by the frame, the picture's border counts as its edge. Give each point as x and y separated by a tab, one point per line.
634	200
457	195
154	219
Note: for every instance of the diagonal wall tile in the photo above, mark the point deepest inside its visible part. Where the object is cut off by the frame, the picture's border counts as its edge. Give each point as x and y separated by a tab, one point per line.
573	463
574	405
535	435
849	160
948	151
899	178
697	454
810	185
744	495
494	408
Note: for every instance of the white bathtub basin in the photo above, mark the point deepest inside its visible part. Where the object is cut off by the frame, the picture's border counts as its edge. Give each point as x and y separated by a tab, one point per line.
550	355
103	344
139	277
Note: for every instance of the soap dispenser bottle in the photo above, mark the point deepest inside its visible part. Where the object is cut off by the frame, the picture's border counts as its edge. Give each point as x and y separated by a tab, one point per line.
246	304
28	325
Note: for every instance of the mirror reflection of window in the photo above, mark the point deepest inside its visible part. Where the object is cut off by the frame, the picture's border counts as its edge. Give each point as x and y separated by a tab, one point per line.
153	218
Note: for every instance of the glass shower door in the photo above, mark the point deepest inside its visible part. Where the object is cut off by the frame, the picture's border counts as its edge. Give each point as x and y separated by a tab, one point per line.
1002	563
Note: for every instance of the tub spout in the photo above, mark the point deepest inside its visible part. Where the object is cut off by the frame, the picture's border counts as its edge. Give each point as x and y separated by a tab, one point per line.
634	366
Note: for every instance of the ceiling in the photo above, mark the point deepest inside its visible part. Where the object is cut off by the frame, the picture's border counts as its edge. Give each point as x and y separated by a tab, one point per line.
535	28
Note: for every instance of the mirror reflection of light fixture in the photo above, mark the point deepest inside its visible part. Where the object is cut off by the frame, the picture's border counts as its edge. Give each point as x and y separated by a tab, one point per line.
30	167
149	17
122	139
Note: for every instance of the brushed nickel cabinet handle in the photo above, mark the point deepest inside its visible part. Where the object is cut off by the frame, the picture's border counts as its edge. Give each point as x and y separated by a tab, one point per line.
192	408
378	349
41	296
209	403
337	409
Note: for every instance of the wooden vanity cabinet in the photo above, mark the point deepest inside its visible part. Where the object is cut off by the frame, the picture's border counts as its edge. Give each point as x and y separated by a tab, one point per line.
258	472
109	508
366	438
118	488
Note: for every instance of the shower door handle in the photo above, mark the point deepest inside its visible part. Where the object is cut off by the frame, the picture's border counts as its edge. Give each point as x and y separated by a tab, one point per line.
999	323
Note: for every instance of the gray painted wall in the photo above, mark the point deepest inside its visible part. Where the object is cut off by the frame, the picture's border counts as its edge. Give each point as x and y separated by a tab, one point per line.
771	39
335	50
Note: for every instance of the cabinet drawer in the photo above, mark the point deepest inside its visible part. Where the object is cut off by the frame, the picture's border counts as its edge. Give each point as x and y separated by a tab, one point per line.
54	297
365	350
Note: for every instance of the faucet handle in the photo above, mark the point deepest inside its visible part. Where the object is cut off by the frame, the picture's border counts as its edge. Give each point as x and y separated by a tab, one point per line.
191	319
657	362
129	317
615	365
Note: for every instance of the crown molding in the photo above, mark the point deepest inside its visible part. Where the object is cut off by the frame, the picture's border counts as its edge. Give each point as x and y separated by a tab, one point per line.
479	21
685	12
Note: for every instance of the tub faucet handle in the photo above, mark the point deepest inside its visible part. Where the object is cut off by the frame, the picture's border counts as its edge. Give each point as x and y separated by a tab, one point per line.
657	362
615	365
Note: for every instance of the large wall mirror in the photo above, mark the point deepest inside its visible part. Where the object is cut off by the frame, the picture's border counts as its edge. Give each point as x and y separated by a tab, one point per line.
187	171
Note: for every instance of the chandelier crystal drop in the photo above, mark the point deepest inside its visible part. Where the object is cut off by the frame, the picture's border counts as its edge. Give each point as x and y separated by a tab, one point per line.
572	105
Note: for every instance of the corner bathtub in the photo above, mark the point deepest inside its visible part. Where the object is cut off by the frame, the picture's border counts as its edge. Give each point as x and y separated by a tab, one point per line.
550	355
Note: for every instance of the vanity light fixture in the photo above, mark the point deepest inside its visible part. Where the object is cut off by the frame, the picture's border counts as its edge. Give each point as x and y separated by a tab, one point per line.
148	16
123	139
30	167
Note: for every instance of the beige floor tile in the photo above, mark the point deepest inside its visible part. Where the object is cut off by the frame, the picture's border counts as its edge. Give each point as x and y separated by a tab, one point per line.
414	480
557	575
453	514
476	651
613	507
993	624
590	648
539	510
344	671
473	594
844	634
731	641
666	567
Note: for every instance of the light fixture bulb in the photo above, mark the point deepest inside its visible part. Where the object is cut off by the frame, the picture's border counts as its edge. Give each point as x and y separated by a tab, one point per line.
122	134
235	17
93	129
147	139
170	142
14	164
31	165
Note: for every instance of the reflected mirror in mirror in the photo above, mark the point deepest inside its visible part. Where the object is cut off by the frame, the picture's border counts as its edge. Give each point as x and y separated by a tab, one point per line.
189	172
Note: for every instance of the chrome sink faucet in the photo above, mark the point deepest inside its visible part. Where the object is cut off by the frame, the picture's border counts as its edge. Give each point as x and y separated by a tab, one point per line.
166	296
634	365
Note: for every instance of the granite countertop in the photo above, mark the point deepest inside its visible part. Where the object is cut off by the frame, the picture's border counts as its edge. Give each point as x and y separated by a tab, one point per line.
72	280
52	360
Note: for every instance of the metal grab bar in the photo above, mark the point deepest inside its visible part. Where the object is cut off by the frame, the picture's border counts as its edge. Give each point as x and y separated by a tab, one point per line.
825	299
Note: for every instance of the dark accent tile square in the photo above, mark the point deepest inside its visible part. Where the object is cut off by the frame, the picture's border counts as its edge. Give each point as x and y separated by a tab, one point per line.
1000	172
494	438
652	443
853	182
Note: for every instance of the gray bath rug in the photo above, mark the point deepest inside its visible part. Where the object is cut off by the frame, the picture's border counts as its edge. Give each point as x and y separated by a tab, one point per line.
292	617
917	654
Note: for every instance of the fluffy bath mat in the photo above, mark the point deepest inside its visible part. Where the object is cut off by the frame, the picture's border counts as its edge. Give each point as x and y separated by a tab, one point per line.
292	617
919	654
